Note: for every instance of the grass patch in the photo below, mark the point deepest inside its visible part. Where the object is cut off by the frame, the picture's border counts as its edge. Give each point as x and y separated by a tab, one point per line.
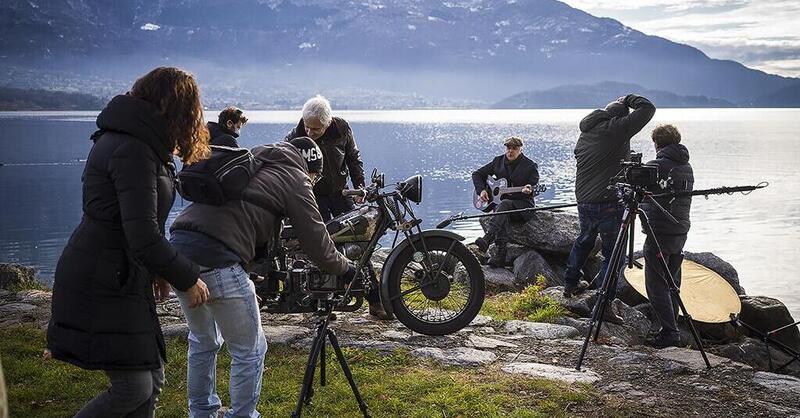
529	304
395	385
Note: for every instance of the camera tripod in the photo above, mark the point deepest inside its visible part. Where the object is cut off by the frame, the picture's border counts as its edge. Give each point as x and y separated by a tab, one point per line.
632	196
322	336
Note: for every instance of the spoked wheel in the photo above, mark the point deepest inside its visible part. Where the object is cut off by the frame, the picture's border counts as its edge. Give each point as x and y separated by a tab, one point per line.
437	293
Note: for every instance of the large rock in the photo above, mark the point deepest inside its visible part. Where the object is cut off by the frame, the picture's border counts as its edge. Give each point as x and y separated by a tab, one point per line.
549	231
531	264
633	330
548	371
774	381
512	252
459	356
16	276
499	279
753	352
766	314
580	305
689	358
541	331
720	266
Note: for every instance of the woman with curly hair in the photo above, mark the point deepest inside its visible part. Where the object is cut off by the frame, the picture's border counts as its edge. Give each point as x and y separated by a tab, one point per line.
117	261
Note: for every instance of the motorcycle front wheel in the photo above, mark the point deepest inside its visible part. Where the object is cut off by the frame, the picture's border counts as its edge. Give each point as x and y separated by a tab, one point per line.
437	292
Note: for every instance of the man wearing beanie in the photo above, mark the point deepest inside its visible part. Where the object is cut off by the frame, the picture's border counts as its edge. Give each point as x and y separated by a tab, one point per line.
603	143
223	238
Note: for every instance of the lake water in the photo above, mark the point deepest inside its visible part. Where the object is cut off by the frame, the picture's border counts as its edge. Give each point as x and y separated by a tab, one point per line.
40	189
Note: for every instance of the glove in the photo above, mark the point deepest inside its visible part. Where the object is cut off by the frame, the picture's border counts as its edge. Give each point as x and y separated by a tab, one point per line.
350	274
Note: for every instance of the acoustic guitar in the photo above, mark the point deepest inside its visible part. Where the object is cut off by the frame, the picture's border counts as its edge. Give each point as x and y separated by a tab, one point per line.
496	189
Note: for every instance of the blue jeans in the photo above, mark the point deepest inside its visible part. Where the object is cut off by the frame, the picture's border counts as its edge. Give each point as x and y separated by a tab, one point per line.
603	218
231	315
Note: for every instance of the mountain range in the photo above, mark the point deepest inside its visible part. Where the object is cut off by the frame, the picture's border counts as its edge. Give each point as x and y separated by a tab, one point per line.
470	50
581	96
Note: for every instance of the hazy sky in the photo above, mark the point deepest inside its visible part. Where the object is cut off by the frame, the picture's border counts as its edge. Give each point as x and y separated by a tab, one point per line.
762	34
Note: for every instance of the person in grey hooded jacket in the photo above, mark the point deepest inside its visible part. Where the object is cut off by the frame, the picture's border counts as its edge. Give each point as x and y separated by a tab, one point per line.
603	143
672	160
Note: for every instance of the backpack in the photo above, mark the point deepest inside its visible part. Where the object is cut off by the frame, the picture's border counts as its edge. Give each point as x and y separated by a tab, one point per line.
220	178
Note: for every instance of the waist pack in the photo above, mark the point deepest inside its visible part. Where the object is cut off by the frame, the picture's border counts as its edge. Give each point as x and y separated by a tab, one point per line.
220	178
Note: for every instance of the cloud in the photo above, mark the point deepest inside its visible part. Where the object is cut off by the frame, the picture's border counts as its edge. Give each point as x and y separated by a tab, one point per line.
760	34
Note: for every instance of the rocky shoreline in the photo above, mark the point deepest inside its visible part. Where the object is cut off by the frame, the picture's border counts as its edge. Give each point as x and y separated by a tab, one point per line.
656	382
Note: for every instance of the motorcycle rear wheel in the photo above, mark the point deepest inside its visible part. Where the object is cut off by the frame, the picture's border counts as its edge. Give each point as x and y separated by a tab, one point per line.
436	304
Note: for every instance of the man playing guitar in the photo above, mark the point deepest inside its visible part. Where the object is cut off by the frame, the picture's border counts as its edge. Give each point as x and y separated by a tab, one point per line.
518	170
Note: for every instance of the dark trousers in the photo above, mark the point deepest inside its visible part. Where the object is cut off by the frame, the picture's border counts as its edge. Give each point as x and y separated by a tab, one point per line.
605	219
498	225
133	393
333	206
664	303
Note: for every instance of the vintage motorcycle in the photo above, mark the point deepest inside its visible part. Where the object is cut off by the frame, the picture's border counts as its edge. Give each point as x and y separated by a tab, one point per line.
430	281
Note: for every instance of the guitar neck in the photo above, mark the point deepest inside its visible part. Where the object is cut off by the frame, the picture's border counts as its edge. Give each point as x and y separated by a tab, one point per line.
508	190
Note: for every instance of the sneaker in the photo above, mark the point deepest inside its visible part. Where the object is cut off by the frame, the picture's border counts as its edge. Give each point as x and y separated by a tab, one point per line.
664	341
377	311
573	290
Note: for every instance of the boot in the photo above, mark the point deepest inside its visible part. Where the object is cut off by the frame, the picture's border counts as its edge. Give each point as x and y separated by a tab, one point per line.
484	242
499	259
376	310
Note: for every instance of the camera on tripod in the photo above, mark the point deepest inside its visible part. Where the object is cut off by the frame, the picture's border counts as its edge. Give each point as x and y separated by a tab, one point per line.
636	174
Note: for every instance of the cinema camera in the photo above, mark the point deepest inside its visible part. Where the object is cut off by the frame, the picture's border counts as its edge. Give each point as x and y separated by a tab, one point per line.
635	174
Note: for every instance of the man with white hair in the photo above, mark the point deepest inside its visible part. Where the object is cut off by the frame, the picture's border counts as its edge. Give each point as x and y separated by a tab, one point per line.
342	157
339	151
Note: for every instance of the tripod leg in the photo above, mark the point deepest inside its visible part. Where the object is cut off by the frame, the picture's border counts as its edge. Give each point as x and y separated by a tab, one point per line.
306	392
616	263
613	266
322	365
673	288
346	369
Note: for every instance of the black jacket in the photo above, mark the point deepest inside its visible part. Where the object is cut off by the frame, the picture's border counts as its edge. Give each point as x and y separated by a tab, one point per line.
103	309
523	172
604	142
673	163
340	156
281	188
220	135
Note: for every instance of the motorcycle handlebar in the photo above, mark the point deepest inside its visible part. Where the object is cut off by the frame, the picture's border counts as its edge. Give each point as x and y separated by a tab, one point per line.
357	192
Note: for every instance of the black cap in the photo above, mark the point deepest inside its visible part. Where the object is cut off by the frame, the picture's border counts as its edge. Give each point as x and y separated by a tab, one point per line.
310	151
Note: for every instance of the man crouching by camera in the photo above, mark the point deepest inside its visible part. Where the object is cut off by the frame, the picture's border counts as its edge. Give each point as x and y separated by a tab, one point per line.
222	238
675	172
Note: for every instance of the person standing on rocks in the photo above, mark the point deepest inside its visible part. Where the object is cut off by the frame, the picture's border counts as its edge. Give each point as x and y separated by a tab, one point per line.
226	130
224	238
603	143
518	170
672	159
117	261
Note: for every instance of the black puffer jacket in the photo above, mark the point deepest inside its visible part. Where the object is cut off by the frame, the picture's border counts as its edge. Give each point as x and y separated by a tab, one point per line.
603	143
340	154
673	163
220	135
103	309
